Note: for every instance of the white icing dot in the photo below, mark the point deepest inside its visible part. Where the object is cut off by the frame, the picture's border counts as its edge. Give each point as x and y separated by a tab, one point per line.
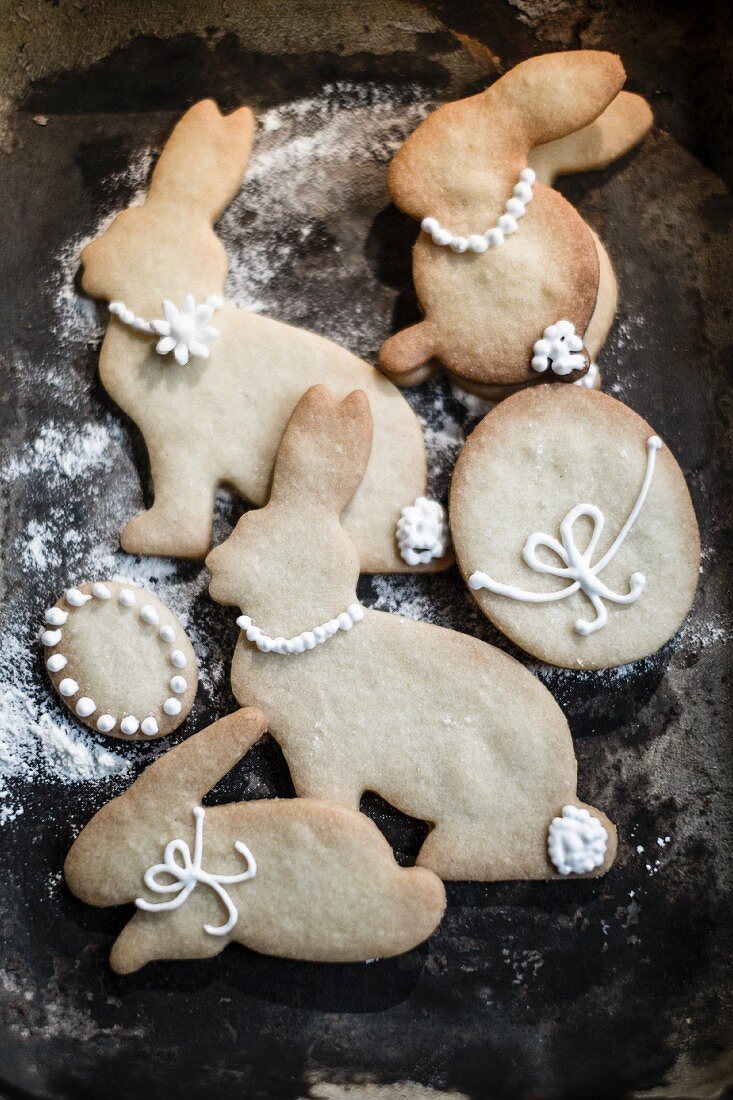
167	633
51	637
494	237
507	224
178	684
126	597
477	243
149	727
515	207
345	621
56	662
85	706
148	614
101	591
68	687
55	616
76	598
172	707
178	658
527	175
129	725
105	723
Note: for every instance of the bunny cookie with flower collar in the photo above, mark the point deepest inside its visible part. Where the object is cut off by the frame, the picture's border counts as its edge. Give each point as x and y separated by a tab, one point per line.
502	259
443	726
574	528
211	387
293	877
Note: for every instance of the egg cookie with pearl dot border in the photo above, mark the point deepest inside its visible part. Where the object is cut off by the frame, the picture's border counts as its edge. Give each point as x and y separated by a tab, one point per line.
574	529
120	660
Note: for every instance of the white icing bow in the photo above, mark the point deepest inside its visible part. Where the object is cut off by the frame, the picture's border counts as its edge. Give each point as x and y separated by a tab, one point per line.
577	841
188	873
557	349
576	565
185	331
422	532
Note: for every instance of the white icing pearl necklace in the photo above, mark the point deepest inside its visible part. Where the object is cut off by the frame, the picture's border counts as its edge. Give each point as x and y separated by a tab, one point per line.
576	566
514	209
577	841
185	332
84	706
422	532
307	639
187	872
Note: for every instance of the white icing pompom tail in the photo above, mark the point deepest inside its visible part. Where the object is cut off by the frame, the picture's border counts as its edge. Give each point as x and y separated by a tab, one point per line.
577	841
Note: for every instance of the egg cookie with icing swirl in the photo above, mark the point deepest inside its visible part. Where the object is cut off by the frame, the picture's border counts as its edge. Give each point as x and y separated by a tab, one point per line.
574	528
120	660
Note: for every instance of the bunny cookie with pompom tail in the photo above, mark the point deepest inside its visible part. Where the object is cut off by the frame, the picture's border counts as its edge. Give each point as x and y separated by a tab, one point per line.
211	387
292	877
445	727
515	286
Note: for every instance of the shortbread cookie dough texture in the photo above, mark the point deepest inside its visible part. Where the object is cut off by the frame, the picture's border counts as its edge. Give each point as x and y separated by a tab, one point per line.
211	387
119	660
574	528
502	259
292	877
443	726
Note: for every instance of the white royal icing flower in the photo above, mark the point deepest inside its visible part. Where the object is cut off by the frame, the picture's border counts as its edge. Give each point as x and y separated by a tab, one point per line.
577	841
422	532
186	331
558	349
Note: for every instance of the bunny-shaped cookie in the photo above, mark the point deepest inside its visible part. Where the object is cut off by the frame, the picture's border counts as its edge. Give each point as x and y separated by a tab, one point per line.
211	387
291	877
502	258
443	726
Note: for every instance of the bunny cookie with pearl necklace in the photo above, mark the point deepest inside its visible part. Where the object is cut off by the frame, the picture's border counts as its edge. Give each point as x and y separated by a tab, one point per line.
298	878
443	726
211	387
502	258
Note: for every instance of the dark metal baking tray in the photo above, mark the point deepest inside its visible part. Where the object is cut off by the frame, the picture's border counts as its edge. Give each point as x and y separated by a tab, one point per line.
573	989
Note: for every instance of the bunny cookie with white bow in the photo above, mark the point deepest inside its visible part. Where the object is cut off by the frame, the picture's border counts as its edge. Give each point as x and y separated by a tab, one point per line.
514	285
211	387
292	877
574	528
443	726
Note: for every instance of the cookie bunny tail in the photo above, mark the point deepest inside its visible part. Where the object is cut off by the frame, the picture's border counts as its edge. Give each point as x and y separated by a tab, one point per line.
180	778
407	358
324	451
204	160
622	125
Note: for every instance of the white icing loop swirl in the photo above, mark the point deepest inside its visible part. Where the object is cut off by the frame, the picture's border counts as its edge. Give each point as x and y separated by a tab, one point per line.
307	639
576	565
577	841
514	209
422	532
187	873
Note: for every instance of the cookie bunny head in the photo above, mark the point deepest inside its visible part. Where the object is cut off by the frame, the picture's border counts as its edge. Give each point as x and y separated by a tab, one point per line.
293	554
447	165
167	248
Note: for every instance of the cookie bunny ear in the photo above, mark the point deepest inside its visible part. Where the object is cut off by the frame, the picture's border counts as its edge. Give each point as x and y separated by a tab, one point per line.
204	160
324	450
558	93
180	778
618	129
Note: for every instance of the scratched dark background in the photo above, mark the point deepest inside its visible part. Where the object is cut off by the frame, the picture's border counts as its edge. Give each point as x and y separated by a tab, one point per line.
580	989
